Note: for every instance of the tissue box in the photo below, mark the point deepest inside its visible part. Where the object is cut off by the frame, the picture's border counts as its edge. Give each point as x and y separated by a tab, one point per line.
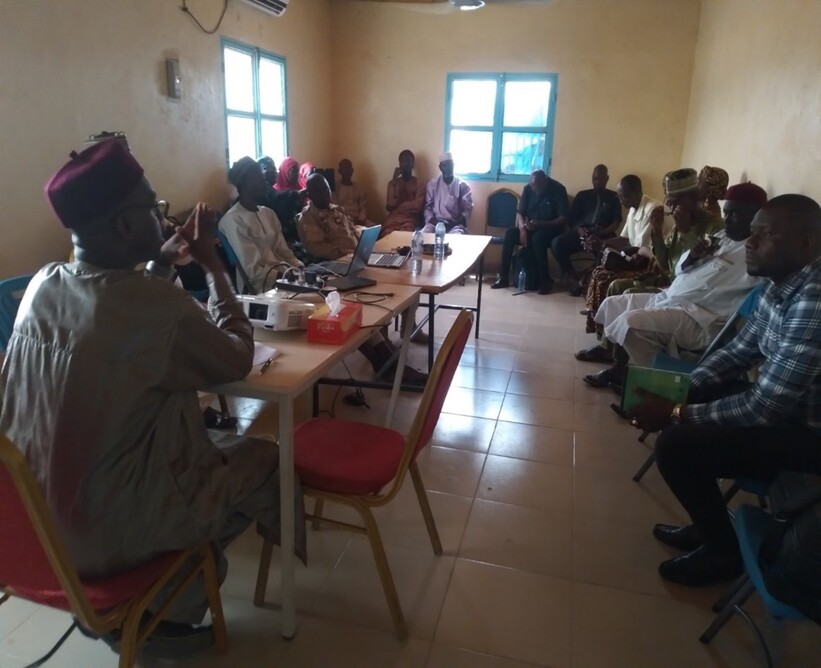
334	329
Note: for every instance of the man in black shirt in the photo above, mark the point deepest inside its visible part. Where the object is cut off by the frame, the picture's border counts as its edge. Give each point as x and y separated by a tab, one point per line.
541	217
595	212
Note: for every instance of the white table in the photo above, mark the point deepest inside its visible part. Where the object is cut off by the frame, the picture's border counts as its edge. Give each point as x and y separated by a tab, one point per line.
299	365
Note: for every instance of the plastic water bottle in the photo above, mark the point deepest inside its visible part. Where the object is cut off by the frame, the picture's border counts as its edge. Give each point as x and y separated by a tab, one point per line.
416	252
522	281
439	242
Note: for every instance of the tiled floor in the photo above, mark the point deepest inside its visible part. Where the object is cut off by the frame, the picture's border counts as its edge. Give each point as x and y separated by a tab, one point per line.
548	556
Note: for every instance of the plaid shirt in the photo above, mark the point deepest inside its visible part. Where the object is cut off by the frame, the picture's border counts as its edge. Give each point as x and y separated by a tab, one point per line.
784	335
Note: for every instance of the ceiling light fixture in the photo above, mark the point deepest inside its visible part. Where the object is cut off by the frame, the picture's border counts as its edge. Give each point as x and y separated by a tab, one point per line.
467	5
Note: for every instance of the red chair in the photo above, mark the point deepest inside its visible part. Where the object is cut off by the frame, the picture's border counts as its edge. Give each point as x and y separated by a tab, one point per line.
363	466
35	565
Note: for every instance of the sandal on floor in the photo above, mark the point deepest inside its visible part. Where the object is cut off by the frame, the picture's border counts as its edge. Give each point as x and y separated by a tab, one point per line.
594	354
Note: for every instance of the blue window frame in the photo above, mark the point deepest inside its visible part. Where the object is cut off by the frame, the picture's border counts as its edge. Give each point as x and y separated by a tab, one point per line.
499	127
256	108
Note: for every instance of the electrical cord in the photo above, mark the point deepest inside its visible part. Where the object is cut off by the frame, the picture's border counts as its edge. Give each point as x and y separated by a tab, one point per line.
270	269
187	11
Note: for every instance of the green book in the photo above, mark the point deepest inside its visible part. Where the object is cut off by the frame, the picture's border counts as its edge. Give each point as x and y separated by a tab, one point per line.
672	385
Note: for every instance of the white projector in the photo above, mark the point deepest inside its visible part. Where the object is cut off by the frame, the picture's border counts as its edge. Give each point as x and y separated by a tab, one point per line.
274	313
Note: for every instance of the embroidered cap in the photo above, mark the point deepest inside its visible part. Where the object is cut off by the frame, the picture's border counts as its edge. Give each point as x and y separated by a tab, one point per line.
92	183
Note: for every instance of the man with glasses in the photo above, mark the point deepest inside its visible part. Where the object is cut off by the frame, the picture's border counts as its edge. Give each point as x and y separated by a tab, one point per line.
98	389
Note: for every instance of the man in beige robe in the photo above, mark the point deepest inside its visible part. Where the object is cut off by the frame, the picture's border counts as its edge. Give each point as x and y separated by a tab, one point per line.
98	386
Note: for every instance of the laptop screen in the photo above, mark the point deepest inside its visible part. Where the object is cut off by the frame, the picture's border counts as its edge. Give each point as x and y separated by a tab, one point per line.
367	240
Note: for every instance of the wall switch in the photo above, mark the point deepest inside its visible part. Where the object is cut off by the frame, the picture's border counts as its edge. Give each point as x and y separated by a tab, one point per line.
173	80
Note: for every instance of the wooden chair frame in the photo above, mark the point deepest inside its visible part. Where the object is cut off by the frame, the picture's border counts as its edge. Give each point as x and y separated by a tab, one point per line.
126	617
365	503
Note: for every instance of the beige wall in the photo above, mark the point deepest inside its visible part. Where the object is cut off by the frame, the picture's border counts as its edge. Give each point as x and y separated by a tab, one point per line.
70	69
624	78
755	106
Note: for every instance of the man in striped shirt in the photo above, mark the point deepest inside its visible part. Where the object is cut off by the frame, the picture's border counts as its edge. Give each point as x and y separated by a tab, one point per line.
728	429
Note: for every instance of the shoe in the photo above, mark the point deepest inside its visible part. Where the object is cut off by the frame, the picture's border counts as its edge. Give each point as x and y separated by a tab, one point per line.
216	420
420	337
500	283
175	641
411	376
545	288
169	640
576	291
594	354
703	566
604	377
686	538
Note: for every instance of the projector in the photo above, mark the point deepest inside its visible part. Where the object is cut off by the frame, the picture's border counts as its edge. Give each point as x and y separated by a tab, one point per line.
278	315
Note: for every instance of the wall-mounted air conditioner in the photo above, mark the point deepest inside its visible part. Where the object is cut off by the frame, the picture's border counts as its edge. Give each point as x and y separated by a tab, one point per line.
272	7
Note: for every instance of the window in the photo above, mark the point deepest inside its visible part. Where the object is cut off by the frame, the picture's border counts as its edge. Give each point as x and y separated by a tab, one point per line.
500	126
256	116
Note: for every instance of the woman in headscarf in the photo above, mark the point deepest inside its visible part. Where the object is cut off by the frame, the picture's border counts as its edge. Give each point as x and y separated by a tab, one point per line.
287	200
305	170
712	184
288	177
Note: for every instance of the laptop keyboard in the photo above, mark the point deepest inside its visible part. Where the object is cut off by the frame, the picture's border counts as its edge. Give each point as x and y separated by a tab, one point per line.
387	260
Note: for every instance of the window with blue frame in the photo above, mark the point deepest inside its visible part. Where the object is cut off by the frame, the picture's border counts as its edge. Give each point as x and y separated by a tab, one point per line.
256	110
499	127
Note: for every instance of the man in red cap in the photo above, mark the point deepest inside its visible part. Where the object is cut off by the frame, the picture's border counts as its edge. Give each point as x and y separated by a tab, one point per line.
98	388
711	282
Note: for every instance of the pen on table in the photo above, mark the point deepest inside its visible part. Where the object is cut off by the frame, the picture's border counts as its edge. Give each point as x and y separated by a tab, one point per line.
265	365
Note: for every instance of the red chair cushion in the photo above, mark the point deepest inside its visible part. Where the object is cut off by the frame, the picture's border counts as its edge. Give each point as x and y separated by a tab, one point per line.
108	592
346	457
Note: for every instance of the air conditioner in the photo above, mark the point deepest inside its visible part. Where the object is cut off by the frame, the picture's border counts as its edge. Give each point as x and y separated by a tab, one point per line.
272	7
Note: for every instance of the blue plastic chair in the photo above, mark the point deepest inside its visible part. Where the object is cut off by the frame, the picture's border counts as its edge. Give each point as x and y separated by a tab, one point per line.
241	282
502	205
11	292
752	526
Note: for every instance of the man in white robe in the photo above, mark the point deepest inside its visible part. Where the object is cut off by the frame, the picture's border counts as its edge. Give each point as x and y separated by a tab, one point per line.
711	282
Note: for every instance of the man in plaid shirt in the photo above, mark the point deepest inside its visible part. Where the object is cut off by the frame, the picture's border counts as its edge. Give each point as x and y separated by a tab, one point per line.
730	429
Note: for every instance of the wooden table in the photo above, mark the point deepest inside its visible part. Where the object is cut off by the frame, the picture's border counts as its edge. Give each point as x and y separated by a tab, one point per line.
436	276
299	365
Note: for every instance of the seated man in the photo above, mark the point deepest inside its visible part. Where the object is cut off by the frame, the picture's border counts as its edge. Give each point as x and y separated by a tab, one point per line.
253	230
350	196
712	185
729	430
621	258
541	217
325	230
405	200
710	284
269	170
329	233
447	199
681	192
99	386
595	213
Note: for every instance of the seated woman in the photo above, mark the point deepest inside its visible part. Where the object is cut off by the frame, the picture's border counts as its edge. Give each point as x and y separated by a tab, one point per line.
286	199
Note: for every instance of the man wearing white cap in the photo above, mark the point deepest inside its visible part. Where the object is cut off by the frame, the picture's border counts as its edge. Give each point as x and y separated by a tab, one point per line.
447	198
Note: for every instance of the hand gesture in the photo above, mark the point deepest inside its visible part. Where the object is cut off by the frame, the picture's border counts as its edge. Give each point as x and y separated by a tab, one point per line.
198	233
654	412
657	219
396	173
703	248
